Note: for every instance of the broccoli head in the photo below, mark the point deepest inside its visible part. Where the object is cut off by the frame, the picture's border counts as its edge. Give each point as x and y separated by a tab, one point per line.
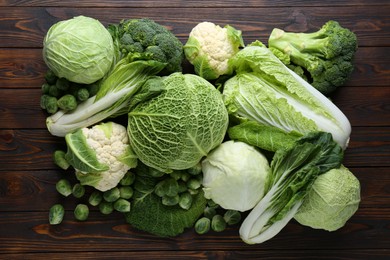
150	40
325	56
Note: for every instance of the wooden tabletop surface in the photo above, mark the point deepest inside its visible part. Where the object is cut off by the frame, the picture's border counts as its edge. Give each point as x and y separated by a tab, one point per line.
28	175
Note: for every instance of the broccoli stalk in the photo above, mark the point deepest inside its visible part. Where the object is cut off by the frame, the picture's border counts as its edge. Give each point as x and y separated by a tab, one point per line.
326	56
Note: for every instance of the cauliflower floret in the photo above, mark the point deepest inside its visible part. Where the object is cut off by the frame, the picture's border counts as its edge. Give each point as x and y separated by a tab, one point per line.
110	143
209	48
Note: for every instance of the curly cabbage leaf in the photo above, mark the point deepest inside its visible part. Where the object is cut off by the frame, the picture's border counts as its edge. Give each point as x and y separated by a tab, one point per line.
174	130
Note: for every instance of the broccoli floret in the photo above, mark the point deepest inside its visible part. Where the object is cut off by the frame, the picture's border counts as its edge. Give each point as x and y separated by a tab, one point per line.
325	55
149	39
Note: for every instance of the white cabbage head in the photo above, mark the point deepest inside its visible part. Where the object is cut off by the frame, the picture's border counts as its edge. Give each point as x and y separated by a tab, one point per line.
234	175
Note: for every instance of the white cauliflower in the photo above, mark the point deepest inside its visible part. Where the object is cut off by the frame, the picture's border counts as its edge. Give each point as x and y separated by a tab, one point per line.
209	48
101	155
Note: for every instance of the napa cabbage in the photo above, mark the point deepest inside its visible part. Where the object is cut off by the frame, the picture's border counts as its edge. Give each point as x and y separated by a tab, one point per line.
266	91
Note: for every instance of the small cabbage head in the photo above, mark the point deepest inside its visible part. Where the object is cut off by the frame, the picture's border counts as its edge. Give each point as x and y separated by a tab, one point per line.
177	128
332	200
209	48
234	175
79	49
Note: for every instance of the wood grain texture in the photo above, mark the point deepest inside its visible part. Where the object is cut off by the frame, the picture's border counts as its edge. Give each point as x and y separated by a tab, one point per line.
26	27
28	174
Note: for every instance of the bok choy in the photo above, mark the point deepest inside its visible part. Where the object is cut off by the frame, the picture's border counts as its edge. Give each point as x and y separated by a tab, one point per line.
293	172
112	99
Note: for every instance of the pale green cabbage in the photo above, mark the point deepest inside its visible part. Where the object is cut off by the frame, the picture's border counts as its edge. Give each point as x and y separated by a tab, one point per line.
79	49
332	200
175	129
234	175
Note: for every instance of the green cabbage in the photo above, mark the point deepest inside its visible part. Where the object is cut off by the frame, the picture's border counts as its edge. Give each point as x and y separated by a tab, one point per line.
331	201
79	49
234	175
175	129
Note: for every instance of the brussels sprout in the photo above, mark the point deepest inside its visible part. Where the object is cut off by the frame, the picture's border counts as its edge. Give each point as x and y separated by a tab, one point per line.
64	187
56	214
54	91
81	212
43	101
202	225
62	84
128	179
232	217
126	192
185	200
193	184
106	207
218	224
167	187
93	89
82	94
122	205
156	173
212	204
45	88
209	212
195	170
185	176
78	190
50	77
176	175
67	102
112	194
51	105
182	186
59	159
95	198
170	200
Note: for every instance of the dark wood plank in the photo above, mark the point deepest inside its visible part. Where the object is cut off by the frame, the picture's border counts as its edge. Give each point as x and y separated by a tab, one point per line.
32	149
186	3
26	27
356	254
24	68
28	190
30	232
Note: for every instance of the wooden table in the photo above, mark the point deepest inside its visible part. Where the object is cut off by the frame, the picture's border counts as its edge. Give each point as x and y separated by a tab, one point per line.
28	175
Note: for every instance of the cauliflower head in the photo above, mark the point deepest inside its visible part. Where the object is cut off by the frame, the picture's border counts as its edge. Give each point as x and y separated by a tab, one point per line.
101	155
209	48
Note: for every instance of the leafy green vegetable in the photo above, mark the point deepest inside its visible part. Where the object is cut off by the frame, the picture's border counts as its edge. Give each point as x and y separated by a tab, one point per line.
293	172
331	201
79	49
112	98
149	39
266	137
326	55
266	91
174	130
150	215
